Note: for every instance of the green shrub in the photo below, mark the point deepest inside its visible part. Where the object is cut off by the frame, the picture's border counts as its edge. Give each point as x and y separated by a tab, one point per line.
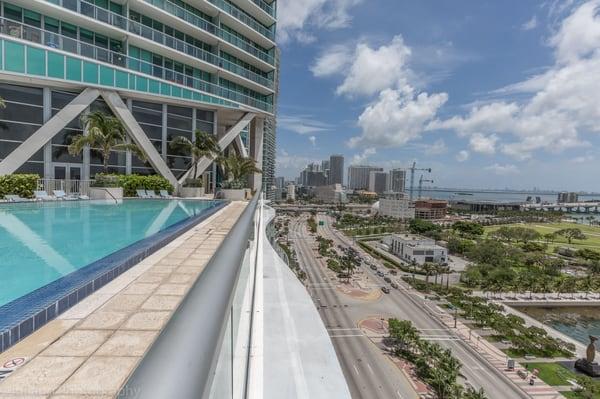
130	183
18	184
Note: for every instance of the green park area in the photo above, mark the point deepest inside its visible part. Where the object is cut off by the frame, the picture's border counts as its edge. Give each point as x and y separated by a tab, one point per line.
548	234
557	375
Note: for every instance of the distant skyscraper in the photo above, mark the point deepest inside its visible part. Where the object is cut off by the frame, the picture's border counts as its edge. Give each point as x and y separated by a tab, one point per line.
396	180
358	176
280	182
378	181
336	169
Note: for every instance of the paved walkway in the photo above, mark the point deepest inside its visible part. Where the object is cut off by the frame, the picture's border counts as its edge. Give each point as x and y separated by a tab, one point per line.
499	360
90	350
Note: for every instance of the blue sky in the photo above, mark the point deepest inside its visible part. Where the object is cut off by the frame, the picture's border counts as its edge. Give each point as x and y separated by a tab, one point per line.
488	93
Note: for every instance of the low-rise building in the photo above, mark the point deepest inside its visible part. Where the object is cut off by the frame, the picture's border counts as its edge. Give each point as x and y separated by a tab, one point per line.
396	205
567	198
430	209
333	193
413	248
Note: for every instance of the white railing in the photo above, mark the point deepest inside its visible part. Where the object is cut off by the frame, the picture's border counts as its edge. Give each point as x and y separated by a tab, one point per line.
70	187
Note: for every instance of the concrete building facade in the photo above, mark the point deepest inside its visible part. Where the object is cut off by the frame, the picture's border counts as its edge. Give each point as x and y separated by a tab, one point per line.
358	176
396	180
336	169
165	69
378	182
331	194
412	248
430	209
396	205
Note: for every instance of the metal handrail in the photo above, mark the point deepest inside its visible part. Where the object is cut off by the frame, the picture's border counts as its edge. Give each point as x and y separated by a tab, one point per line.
54	40
243	17
191	341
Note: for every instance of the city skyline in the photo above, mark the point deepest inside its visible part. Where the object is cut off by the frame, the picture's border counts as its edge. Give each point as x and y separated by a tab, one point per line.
483	103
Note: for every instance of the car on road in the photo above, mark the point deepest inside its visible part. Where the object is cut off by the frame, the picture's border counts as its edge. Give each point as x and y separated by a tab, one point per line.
385	290
380	274
373	267
394	286
393	272
387	280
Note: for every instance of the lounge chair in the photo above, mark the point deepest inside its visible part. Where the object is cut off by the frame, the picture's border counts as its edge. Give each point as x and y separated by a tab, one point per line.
151	194
141	193
165	194
15	198
61	195
42	195
84	197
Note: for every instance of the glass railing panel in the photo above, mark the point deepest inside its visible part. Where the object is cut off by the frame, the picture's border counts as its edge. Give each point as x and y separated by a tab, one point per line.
243	17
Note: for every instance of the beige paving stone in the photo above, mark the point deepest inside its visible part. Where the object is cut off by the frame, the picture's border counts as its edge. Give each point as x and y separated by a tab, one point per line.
77	343
162	302
152	320
123	302
140	288
38	341
170	261
103	320
80	397
172	289
40	376
151	278
99	376
182	278
127	343
195	270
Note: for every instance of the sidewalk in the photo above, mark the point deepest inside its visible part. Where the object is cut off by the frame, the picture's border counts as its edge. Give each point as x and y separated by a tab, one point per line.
499	360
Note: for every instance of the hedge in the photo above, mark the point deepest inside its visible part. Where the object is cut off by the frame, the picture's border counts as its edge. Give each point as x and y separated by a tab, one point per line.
131	183
18	184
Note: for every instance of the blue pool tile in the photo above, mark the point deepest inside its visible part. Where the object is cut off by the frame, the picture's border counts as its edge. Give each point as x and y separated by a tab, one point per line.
40	319
14	335
51	312
26	328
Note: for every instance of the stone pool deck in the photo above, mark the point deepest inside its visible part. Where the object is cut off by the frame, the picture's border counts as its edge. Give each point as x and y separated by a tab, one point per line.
90	350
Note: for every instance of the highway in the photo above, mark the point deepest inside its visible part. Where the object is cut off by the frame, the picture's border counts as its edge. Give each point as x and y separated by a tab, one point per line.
403	303
368	372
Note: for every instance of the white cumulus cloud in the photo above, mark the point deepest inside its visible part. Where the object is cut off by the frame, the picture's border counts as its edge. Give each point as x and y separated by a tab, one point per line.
502	170
462	156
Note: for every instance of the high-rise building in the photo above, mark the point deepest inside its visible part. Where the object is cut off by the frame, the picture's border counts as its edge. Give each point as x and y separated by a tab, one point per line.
325	166
164	68
378	181
567	197
358	176
336	169
396	180
280	182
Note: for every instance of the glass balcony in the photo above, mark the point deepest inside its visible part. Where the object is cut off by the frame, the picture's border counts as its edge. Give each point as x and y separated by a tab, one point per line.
243	17
266	7
211	28
137	28
74	46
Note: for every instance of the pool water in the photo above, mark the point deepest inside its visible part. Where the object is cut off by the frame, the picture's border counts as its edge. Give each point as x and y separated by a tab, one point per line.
42	242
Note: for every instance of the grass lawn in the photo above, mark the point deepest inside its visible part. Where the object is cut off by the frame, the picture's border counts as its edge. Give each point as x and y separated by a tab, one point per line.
578	395
592	233
553	373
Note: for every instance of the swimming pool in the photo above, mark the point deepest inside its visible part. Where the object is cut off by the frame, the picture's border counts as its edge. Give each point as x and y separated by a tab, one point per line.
60	246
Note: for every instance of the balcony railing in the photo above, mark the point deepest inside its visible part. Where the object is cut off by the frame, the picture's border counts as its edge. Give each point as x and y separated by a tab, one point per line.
207	342
244	18
195	20
269	9
137	28
54	40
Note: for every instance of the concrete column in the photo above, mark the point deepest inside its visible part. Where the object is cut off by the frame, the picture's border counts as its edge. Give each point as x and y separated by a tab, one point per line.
48	169
164	132
85	169
214	165
129	157
257	128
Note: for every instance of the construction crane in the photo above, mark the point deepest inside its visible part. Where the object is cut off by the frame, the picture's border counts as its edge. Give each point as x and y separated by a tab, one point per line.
421	181
414	168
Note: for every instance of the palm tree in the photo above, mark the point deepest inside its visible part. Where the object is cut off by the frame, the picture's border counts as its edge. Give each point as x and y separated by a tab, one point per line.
205	145
428	268
105	133
237	168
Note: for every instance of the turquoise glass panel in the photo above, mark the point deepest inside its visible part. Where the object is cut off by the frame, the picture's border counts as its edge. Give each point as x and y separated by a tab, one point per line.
165	89
90	72
107	76
36	61
187	94
73	69
122	79
56	65
141	83
154	86
14	56
176	91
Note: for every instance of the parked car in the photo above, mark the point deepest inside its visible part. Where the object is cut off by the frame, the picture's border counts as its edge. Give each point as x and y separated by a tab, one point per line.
380	274
394	286
393	272
387	280
373	267
385	290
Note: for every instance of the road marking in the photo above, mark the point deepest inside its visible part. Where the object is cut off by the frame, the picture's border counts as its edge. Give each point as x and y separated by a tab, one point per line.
370	369
346	336
398	393
355	369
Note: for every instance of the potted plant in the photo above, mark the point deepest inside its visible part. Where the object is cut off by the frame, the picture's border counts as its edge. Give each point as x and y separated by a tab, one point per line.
237	169
205	145
105	133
